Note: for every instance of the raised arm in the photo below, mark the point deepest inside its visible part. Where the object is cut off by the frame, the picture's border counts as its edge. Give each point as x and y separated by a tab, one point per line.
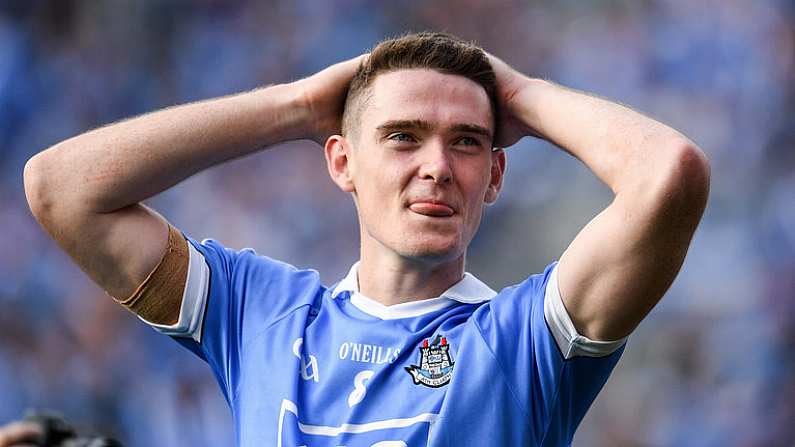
623	261
86	191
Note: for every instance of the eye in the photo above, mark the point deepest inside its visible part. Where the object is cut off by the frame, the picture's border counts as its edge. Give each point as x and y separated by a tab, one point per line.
469	145
401	137
469	141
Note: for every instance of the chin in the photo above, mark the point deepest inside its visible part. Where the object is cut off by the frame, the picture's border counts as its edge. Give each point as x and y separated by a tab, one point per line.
432	250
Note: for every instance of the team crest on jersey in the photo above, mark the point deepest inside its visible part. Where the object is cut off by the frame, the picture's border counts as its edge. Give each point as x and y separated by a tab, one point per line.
436	364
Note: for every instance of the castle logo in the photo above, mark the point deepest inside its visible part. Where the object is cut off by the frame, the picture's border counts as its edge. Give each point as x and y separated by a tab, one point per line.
436	365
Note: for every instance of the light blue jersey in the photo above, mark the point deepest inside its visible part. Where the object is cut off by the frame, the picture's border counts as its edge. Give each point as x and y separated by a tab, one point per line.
301	364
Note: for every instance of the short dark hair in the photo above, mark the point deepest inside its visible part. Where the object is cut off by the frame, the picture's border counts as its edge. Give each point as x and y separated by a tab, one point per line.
442	52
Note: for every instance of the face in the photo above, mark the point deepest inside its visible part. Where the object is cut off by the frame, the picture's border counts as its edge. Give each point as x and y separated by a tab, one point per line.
420	166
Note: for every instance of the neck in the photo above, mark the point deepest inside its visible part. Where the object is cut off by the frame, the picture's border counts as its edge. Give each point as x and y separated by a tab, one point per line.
391	279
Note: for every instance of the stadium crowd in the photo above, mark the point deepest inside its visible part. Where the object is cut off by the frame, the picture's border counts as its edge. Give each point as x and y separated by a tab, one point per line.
712	366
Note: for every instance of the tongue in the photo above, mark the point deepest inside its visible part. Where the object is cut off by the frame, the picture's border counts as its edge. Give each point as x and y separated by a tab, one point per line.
431	209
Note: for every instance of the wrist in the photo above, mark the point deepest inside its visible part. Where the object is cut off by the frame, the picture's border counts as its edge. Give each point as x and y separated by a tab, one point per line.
525	103
284	112
318	115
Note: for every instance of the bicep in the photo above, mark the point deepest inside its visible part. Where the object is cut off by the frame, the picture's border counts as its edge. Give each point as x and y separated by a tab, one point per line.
623	261
117	250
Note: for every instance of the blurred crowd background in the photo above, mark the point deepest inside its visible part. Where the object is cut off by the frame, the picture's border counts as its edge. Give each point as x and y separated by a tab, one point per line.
714	364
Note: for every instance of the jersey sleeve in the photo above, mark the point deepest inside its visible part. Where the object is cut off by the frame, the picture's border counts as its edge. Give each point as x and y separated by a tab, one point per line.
555	373
231	297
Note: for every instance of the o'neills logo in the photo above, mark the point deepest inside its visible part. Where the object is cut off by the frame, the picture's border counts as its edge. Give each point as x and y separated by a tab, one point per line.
436	365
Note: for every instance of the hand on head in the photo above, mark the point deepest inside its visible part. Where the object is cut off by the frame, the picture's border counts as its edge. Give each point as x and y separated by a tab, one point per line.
324	96
510	127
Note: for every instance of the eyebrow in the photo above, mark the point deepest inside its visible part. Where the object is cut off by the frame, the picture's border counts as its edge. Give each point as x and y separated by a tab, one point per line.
405	124
472	128
424	125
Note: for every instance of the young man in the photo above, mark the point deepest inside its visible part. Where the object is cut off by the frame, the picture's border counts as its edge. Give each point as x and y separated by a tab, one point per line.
407	349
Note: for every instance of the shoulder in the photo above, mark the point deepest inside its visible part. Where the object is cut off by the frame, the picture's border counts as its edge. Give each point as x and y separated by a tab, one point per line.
527	293
246	262
245	284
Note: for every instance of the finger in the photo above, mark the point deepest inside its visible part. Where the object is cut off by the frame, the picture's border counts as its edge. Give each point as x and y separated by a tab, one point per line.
17	432
358	60
347	68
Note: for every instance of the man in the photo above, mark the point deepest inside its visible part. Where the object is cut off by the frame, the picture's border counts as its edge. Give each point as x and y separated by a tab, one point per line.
407	349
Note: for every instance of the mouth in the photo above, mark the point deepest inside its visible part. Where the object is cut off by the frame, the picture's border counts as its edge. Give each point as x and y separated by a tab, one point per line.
432	208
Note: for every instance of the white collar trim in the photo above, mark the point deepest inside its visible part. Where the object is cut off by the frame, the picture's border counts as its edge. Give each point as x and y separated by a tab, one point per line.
469	290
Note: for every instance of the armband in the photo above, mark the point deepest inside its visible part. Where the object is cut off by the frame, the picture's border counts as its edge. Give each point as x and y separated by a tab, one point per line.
159	298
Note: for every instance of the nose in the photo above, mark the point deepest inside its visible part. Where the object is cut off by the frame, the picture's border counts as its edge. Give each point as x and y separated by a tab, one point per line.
436	165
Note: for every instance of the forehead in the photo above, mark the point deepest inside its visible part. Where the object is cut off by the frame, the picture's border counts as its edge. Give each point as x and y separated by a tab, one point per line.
422	94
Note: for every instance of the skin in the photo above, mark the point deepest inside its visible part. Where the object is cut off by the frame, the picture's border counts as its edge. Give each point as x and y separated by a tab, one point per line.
86	191
623	261
420	168
419	184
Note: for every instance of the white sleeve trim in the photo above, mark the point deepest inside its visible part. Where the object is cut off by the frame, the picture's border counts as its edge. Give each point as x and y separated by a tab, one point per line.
194	300
571	343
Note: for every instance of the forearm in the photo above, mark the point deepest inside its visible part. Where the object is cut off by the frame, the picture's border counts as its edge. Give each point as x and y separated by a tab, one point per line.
621	146
622	262
121	164
86	191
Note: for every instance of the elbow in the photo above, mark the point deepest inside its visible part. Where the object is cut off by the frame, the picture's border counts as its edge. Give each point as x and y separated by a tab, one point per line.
57	190
690	175
45	190
682	182
37	190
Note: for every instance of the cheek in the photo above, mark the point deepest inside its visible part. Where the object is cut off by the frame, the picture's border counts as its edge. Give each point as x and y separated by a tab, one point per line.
474	180
475	189
379	185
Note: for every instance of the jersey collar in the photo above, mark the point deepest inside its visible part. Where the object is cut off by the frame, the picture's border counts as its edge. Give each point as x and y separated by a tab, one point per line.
469	290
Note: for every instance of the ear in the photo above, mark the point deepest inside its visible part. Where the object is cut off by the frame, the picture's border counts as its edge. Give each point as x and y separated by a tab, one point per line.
498	164
338	162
